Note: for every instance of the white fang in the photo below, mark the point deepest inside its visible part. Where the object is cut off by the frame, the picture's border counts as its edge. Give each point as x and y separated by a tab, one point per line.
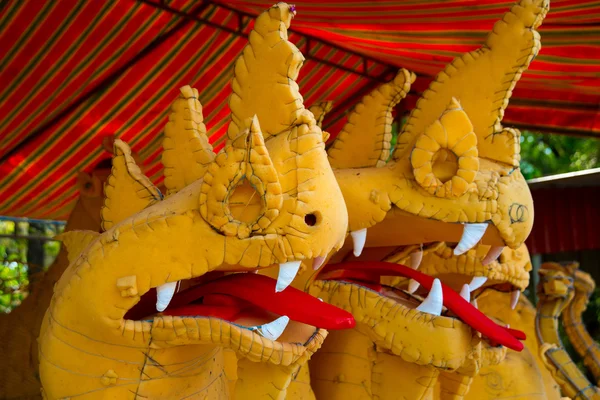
492	254
472	234
359	238
434	300
287	273
514	298
317	262
477	282
465	293
415	259
412	286
273	329
164	294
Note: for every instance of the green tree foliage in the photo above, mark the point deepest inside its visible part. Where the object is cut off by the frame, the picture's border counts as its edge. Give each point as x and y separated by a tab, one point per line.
14	271
544	154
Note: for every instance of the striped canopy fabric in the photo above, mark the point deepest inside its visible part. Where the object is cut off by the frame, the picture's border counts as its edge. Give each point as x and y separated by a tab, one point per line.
75	71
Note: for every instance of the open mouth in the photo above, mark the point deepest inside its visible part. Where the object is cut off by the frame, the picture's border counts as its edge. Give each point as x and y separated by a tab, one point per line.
467	235
246	300
457	272
441	300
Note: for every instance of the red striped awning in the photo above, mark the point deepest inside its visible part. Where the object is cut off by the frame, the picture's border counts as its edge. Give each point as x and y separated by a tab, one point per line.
75	71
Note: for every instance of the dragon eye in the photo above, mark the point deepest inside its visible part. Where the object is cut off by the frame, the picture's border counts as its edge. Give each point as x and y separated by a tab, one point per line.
311	219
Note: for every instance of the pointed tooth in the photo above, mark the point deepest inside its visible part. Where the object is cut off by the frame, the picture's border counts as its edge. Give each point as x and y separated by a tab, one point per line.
434	300
317	262
477	282
287	273
472	234
415	259
492	254
359	238
474	303
164	294
465	292
273	329
514	298
413	286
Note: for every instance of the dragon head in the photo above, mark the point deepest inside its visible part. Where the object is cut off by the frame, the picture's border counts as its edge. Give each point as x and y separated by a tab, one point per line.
555	283
455	168
176	271
509	273
582	281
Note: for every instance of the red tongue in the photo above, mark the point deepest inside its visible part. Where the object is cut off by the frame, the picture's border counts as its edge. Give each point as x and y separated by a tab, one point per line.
227	296
452	300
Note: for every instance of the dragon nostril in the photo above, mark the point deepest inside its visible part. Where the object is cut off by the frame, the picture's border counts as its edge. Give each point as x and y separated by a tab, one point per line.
310	219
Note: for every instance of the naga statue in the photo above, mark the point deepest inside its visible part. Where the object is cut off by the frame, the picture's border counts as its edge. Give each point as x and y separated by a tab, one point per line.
453	177
582	341
20	329
497	287
146	308
555	292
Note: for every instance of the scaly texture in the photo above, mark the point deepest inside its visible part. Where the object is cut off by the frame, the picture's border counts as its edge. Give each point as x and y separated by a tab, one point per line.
281	204
394	350
365	140
521	375
127	189
187	152
555	292
582	341
446	174
450	136
270	61
252	164
319	111
275	381
453	163
512	266
483	81
511	269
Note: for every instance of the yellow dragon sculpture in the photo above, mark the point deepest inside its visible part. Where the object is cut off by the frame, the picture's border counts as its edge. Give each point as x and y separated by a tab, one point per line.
146	308
270	197
454	176
20	329
555	292
519	375
582	341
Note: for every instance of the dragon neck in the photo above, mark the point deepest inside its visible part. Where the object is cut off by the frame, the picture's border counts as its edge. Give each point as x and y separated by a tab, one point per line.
546	320
578	335
263	380
454	386
505	379
349	362
142	368
572	381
